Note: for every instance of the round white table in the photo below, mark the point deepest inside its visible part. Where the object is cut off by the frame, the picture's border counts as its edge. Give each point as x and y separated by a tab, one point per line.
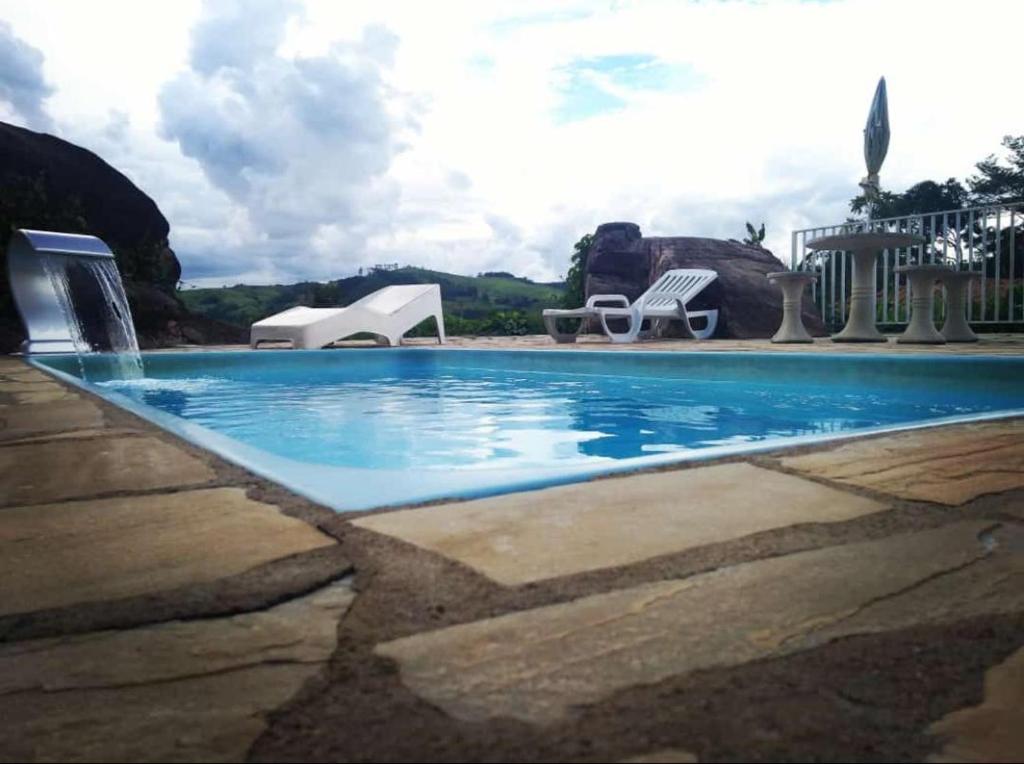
864	249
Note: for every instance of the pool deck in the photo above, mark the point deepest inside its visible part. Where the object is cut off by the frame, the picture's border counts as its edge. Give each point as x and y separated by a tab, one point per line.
853	601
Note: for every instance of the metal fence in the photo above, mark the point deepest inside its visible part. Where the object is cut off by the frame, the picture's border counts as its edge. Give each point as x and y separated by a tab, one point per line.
988	240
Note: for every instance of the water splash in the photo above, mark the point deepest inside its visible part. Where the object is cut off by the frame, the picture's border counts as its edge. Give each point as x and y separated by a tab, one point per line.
104	325
57	274
123	341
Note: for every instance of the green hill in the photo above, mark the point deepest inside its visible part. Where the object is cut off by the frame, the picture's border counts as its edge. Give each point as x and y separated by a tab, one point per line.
491	303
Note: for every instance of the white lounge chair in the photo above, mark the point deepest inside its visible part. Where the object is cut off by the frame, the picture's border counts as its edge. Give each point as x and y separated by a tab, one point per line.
388	313
666	298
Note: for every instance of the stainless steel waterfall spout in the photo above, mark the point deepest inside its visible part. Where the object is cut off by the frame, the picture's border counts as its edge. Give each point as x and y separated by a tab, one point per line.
34	293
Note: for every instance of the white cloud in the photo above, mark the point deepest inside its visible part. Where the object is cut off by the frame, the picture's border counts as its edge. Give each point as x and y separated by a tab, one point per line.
302	143
294	153
23	89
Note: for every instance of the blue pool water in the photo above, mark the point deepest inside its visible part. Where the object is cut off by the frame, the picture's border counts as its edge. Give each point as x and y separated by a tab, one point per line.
362	428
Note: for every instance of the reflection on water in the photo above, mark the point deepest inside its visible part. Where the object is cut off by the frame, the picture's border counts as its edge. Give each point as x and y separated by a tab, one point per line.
487	419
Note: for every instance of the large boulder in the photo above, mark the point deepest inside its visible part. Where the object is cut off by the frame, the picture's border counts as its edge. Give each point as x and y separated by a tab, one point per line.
621	261
617	262
63	184
50	184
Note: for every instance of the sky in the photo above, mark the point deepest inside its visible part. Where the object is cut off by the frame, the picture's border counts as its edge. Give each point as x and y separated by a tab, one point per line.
290	140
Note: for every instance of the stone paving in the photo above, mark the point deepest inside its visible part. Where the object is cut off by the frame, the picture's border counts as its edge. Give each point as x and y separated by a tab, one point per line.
559	531
992	731
112	548
97	509
181	691
535	665
663	757
158	604
20	418
103	466
970	461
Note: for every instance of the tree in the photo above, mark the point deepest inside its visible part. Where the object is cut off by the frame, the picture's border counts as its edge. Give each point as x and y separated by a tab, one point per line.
756	238
962	237
574	287
921	198
324	295
997	183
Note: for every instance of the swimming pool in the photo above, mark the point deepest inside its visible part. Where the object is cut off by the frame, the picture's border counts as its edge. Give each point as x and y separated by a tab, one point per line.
357	429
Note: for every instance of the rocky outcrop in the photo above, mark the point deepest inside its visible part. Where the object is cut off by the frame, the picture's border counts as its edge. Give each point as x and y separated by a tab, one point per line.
69	181
51	184
161	319
617	262
622	261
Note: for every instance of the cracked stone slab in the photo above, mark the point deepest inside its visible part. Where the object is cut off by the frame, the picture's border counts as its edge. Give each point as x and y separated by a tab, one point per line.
948	465
523	537
536	665
55	555
55	416
182	691
994	730
52	471
991	584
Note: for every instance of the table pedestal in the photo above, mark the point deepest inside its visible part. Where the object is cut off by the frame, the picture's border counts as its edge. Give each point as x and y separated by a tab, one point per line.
792	284
860	326
921	329
956	328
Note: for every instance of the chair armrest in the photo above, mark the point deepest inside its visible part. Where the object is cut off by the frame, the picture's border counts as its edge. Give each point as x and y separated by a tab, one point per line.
596	298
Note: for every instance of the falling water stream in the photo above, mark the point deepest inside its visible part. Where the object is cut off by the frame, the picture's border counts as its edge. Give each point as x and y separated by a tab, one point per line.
95	308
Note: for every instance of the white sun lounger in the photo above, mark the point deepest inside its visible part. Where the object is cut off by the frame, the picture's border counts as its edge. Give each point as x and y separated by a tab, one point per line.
666	298
388	313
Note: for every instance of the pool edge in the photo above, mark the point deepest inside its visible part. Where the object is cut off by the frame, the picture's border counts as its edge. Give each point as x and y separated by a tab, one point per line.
381	482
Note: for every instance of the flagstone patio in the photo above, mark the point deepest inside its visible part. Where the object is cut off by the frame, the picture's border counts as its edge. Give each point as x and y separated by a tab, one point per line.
560	531
856	601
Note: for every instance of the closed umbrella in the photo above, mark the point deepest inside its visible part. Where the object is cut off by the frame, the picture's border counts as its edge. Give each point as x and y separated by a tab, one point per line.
876	143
